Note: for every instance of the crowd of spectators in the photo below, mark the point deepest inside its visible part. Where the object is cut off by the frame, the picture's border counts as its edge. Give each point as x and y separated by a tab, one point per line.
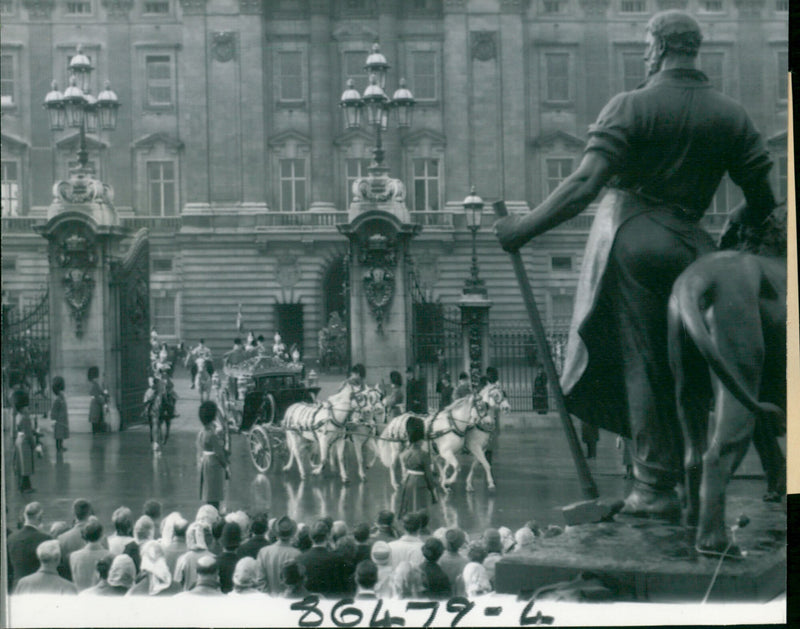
251	554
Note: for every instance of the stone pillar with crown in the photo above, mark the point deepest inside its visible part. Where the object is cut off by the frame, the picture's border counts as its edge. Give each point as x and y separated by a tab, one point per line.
380	230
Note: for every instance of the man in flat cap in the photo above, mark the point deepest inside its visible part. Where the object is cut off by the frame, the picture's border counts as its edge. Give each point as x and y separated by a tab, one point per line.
661	150
271	558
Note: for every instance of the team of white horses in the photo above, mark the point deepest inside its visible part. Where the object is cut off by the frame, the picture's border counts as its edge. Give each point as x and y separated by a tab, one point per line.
355	415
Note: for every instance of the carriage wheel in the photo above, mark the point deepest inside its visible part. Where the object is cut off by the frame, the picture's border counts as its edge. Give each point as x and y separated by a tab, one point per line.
260	448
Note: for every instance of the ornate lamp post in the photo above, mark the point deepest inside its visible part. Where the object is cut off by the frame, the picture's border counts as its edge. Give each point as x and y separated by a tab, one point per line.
77	108
377	104
473	211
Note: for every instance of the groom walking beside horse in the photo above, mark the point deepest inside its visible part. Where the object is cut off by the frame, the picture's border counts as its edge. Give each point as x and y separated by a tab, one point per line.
662	151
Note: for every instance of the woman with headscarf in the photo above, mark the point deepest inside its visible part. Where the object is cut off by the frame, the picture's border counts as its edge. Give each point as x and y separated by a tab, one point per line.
418	490
212	457
381	555
154	575
121	575
525	539
475	578
406	581
197	537
245	577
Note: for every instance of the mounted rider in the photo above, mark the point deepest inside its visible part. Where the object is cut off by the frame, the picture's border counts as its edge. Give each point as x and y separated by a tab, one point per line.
200	350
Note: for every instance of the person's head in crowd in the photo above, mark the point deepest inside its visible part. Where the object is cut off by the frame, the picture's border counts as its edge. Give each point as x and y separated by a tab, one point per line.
381	554
208	514
144	530
366	575
491	375
216	529
302	540
245	575
463	378
122	572
242	519
396	378
258	524
406	580
272	530
423	520
358	372
415	429
440	534
208	571
411	523
492	541
93	373
49	554
533	525
319	533
207	413
57	528
198	536
432	549
170	526
58	385
525	539
454	540
104	566
385	519
152	509
346	548
476	551
92	530
231	536
338	530
154	564
122	519
237	342
285	528
361	532
132	550
328	520
293	575
507	539
33	514
81	509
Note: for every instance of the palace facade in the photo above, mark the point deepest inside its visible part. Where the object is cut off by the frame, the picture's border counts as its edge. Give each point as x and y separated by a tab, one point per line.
231	146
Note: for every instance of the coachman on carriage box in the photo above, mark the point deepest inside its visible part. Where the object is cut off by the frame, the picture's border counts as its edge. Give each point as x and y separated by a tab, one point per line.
661	150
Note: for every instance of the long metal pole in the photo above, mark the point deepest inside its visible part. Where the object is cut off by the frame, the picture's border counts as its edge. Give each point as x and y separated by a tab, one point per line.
588	485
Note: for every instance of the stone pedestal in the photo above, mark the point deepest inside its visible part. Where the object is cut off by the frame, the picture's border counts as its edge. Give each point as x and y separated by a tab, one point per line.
475	307
84	235
379	230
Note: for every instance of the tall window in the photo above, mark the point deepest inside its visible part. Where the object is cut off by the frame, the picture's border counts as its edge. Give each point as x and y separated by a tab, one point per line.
426	184
711	63
354	68
423	74
161	188
632	70
156	7
711	6
783	69
79	7
158	74
10	188
554	6
293	185
562	311
6	79
782	6
557	169
290	76
6	7
557	72
164	314
354	168
782	169
633	6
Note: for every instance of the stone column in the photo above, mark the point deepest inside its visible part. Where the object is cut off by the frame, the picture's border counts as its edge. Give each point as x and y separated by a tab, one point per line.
84	234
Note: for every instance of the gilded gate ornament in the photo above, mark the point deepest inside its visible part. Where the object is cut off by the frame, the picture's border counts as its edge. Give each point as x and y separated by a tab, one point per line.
74	250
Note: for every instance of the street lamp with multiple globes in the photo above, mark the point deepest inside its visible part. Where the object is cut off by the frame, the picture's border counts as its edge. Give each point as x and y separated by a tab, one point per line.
77	108
473	212
377	104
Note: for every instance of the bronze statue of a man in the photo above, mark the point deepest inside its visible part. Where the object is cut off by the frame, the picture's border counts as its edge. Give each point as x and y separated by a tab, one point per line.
661	150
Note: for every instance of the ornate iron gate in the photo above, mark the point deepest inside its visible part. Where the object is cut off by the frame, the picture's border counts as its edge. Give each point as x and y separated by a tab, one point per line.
26	353
132	284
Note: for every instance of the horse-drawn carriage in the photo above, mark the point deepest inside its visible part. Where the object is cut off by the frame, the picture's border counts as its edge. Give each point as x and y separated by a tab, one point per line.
253	396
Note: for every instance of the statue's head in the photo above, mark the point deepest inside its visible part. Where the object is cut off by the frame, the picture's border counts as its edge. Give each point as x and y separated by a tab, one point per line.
671	32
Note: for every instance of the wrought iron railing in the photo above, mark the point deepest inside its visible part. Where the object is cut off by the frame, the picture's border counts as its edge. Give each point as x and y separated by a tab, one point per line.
436	218
153	223
303	220
20	224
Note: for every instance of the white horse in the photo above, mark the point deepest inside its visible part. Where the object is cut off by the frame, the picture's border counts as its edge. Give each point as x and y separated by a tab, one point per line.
321	423
202	380
467	422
